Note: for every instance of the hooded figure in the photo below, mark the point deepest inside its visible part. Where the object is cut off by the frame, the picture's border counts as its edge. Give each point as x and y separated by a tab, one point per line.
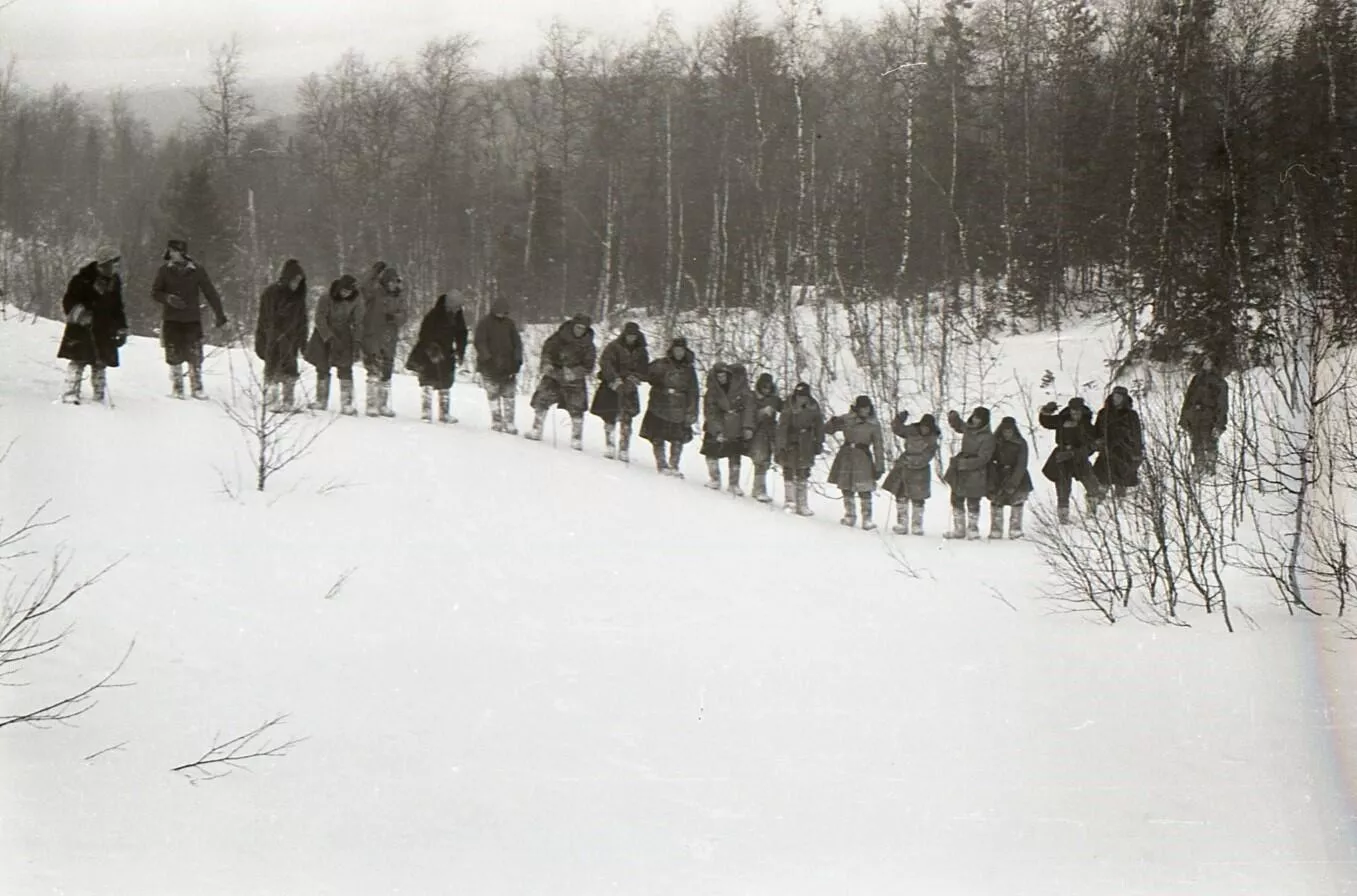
438	350
910	479
1121	443
800	440
621	368
280	334
671	412
728	422
96	324
1009	482
384	315
968	473
760	447
860	461
335	342
499	358
568	358
179	287
1075	442
1205	413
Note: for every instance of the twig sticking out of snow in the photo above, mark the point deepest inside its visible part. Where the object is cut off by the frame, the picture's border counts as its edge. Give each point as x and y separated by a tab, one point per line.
231	755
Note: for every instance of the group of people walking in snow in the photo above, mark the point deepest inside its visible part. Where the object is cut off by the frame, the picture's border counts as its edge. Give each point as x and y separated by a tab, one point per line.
361	320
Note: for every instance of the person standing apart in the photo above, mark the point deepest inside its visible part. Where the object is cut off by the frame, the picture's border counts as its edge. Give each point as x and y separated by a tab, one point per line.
180	287
96	324
499	358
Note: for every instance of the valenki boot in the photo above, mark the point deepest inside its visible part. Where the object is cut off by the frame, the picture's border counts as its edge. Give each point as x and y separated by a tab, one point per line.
901	526
996	522
675	455
624	442
958	524
972	523
661	458
496	415
789	491
539	420
713	474
1015	522
577	433
803	498
445	406
760	490
99	383
289	396
346	406
917	517
372	397
508	410
426	403
385	408
609	441
322	393
177	380
734	484
75	374
850	510
195	382
865	500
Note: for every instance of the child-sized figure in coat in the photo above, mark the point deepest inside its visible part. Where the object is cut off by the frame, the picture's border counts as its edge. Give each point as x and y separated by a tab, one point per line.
968	473
1010	484
438	350
568	358
280	336
800	440
910	479
334	343
859	463
760	446
96	324
499	358
1075	442
728	422
617	401
1121	443
671	412
1206	411
384	314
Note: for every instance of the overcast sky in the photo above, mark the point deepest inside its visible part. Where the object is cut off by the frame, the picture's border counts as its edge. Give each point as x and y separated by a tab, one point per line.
101	43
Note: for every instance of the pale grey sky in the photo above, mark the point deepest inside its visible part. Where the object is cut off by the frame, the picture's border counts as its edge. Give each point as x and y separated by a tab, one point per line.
143	43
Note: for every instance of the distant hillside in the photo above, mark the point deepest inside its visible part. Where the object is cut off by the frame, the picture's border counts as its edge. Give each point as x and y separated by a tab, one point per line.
166	108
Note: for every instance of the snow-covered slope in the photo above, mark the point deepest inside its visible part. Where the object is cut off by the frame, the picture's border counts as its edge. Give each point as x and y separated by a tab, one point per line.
547	672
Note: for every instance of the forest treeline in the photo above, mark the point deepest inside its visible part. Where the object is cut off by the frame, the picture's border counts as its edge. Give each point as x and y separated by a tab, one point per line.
1186	163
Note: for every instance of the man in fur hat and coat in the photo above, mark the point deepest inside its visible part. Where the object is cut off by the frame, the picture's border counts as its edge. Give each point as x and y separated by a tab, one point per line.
568	357
1075	442
334	342
671	412
617	401
499	358
384	315
1010	483
180	286
280	335
1205	413
438	350
910	479
1121	442
96	324
800	441
968	473
728	423
859	462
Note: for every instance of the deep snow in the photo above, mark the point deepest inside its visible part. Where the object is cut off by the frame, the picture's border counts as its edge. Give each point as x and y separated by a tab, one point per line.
550	672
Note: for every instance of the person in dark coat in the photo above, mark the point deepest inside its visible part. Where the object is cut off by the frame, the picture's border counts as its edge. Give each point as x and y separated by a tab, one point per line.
280	335
728	422
761	445
568	357
800	440
334	342
910	478
179	287
96	324
671	412
621	368
499	358
967	474
1205	413
1075	442
860	461
1010	483
385	311
438	350
1121	443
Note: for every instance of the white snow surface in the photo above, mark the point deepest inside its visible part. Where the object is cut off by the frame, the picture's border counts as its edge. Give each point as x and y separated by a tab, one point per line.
548	672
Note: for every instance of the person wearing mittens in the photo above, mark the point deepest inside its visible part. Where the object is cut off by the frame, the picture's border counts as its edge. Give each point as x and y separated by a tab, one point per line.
858	465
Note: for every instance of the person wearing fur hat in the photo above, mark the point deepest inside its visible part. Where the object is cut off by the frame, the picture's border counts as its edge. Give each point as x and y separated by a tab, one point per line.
760	446
967	474
96	324
910	478
384	314
568	358
1010	484
617	400
1121	442
438	350
728	423
1075	442
499	358
179	287
859	462
280	335
335	342
1205	413
800	440
671	413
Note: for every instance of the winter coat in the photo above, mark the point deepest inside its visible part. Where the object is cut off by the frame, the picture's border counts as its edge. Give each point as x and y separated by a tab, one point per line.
767	405
384	313
728	411
967	474
499	348
624	363
280	333
911	476
1009	480
1121	444
569	359
190	282
97	341
1206	406
334	341
673	390
859	463
800	433
440	347
1074	444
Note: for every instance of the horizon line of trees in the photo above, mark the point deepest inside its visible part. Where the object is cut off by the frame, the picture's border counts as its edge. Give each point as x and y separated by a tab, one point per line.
1184	163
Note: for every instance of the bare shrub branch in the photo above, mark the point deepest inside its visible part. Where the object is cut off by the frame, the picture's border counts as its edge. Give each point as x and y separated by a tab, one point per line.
224	757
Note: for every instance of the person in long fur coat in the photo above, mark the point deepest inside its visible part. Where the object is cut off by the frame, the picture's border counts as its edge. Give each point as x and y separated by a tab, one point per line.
858	465
910	478
438	350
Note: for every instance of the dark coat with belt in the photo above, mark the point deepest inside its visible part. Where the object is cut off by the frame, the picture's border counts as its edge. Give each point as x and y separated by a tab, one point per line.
968	473
440	347
858	464
1075	442
911	476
